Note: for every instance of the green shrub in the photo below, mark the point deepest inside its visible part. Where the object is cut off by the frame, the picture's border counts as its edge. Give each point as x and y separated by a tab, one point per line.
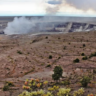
85	58
64	47
92	54
48	65
85	80
50	56
66	82
94	70
64	92
55	77
19	52
79	92
9	83
82	54
46	37
84	45
5	88
58	71
76	60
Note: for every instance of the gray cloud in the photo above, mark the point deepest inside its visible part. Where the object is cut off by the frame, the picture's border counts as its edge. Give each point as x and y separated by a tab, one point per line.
83	4
53	10
78	4
54	2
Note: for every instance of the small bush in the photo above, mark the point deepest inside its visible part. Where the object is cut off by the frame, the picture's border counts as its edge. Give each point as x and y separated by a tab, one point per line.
9	83
94	71
48	65
50	56
92	55
63	92
79	92
5	88
66	82
84	45
64	47
85	80
19	52
76	60
46	37
82	54
85	58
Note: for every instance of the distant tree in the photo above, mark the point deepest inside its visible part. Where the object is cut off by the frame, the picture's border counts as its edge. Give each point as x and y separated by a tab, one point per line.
58	71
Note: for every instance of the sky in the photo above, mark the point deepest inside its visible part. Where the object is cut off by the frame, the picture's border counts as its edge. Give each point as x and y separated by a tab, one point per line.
48	7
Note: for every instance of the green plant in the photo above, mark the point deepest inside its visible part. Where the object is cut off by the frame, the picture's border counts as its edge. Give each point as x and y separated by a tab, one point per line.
76	60
85	58
82	54
63	92
5	88
85	80
50	56
94	71
79	92
46	37
9	83
64	47
84	45
19	52
65	82
58	71
33	93
92	54
48	65
55	77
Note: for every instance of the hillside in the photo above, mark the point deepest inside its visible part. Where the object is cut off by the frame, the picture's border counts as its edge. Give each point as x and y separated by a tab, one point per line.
25	56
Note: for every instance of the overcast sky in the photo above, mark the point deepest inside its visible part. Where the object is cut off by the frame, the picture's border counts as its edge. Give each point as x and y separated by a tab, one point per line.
48	7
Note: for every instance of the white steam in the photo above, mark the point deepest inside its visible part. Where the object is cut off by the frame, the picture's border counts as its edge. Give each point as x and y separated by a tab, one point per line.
19	26
23	25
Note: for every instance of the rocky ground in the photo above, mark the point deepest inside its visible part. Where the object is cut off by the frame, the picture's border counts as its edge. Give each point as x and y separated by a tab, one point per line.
25	56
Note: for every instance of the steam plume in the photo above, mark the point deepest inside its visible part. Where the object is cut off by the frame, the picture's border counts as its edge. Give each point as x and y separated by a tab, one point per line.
23	25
